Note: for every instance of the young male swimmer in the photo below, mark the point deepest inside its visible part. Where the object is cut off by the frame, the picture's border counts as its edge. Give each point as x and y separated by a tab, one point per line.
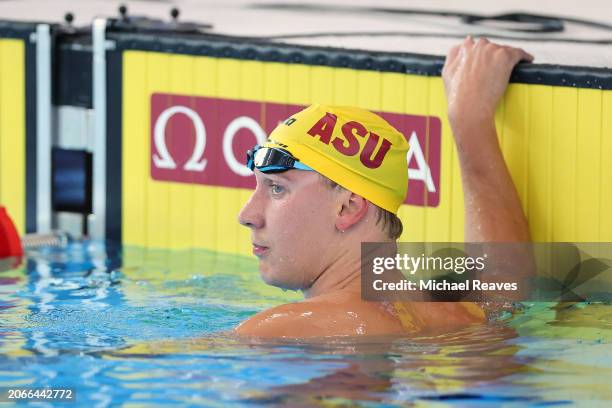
330	178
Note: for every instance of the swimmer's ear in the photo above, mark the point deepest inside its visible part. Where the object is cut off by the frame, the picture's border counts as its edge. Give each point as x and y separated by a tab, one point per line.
354	208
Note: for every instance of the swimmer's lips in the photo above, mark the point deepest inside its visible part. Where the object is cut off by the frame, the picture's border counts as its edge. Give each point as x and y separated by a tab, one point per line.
259	250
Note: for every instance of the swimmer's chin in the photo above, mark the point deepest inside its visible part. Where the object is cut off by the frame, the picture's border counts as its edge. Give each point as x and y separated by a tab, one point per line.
267	275
273	278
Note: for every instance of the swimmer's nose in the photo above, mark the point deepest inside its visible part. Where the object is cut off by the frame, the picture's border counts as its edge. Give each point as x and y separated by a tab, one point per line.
251	215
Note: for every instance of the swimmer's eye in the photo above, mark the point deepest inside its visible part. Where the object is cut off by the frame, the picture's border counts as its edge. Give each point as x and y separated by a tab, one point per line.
277	189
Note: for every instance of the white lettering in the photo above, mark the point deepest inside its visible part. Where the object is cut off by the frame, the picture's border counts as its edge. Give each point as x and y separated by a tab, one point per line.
478	285
235	125
164	159
377	268
422	172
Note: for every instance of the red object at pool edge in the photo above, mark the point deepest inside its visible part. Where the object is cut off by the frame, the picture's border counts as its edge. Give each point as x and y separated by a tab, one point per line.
10	243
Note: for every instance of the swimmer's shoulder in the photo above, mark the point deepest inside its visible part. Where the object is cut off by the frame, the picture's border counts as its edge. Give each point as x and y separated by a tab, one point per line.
318	319
424	316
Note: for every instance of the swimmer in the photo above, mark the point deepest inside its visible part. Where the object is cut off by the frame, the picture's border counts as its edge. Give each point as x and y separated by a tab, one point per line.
323	188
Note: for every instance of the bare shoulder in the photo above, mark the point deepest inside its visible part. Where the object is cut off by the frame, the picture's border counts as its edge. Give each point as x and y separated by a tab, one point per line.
319	319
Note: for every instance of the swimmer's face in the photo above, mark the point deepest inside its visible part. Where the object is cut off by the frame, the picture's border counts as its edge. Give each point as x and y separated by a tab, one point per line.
292	220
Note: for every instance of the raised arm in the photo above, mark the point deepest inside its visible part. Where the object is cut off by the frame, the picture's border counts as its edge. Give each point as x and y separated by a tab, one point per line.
476	74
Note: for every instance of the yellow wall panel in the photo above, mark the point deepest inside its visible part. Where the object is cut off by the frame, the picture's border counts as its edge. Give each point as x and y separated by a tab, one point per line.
299	78
322	85
276	82
515	138
254	80
605	199
539	159
135	138
12	130
345	87
231	236
417	95
588	165
229	79
368	90
204	217
563	168
244	236
393	93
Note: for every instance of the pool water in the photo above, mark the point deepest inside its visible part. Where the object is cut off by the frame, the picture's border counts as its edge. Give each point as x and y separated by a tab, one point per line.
129	326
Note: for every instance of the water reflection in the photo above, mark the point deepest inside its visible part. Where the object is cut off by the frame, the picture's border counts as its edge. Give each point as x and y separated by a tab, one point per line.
54	296
378	370
399	370
12	310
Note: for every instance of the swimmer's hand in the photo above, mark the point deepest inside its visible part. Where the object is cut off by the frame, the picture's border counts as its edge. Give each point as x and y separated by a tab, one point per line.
476	74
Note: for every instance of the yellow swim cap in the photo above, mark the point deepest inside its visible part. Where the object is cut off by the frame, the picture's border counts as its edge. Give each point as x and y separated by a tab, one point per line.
353	147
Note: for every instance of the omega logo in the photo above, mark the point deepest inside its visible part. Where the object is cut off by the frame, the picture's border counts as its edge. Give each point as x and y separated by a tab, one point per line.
164	160
197	162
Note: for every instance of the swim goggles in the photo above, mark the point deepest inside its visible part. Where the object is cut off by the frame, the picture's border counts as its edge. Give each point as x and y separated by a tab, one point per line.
272	160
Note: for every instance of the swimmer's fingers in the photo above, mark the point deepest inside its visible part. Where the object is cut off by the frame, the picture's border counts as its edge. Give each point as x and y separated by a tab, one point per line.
451	57
455	56
516	55
522	55
466	48
525	56
513	55
497	59
450	63
476	75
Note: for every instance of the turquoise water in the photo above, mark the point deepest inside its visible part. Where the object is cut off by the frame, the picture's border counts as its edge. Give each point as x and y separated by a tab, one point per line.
127	326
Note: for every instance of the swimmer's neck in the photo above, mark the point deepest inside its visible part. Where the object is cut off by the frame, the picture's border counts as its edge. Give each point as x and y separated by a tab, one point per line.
343	275
335	279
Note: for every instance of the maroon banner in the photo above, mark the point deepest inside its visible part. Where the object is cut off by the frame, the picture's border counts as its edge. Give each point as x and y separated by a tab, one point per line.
199	140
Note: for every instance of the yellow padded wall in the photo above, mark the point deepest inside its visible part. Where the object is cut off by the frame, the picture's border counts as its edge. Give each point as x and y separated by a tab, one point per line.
555	141
12	130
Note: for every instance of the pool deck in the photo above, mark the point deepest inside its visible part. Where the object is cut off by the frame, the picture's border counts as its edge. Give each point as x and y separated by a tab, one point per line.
355	25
